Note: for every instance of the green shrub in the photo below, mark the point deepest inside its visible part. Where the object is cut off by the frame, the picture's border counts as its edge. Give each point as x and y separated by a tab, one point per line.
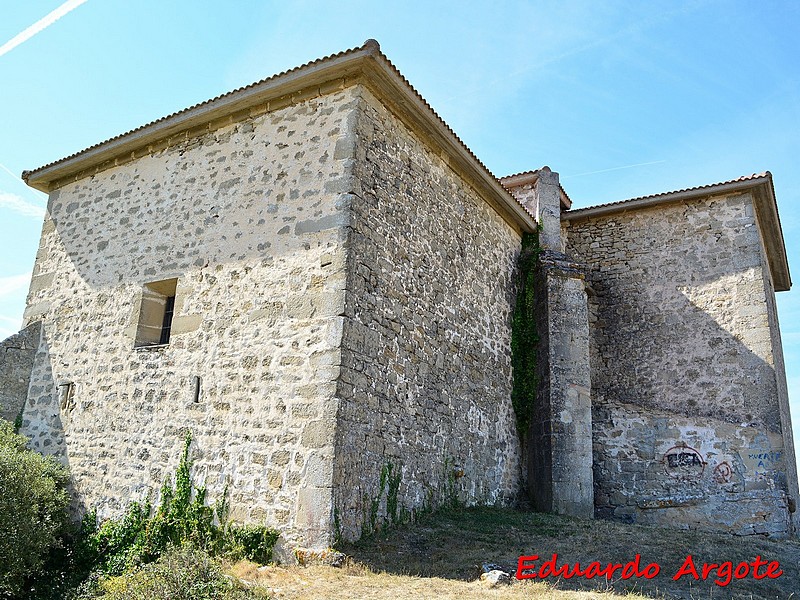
44	557
120	544
181	573
182	518
253	542
33	509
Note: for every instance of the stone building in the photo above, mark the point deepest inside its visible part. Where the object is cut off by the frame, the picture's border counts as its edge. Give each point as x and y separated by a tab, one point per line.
317	278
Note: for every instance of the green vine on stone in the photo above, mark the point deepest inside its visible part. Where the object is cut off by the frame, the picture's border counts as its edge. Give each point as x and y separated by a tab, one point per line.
393	482
389	484
451	488
524	336
182	519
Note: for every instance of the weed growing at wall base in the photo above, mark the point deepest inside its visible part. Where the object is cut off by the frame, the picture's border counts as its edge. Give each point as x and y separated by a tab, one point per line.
182	519
113	559
181	573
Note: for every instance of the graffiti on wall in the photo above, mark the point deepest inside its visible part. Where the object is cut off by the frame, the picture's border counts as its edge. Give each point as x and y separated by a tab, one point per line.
683	462
761	460
723	472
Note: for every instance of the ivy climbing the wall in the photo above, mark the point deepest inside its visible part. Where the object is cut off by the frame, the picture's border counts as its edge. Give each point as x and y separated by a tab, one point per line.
524	338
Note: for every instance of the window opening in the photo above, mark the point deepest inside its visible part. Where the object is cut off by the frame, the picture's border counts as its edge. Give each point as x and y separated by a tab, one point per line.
155	313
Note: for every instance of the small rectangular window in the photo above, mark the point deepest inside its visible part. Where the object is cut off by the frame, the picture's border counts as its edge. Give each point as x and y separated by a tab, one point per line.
166	324
155	313
65	393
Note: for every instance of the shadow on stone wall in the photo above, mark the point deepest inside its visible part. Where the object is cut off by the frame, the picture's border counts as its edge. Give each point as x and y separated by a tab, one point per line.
686	417
47	411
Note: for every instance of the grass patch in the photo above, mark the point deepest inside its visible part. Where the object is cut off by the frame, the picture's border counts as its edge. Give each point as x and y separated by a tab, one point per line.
453	544
356	582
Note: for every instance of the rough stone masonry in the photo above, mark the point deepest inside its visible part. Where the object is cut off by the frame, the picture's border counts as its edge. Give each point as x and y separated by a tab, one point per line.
317	278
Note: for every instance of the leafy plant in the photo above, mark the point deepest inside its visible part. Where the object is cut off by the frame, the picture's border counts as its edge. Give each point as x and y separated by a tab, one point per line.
182	519
253	542
393	482
181	573
18	420
44	557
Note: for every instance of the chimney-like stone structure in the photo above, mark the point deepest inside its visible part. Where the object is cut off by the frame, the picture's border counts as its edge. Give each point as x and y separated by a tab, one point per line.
559	441
547	208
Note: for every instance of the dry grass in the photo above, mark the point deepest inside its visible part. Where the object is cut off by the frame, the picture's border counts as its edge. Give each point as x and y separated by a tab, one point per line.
440	557
355	582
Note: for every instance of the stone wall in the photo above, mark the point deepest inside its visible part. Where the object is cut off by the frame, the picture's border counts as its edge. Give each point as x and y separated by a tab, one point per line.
686	412
426	415
249	219
16	361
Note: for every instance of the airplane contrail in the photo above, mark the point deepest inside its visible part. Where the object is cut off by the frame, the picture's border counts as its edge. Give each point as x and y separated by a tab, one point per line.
655	162
9	171
41	24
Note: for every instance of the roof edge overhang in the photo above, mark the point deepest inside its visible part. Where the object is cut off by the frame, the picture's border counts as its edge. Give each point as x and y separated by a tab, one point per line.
268	94
365	64
765	205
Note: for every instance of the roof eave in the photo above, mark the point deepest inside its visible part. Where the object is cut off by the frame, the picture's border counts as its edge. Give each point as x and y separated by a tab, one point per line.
530	178
769	222
366	64
338	67
765	205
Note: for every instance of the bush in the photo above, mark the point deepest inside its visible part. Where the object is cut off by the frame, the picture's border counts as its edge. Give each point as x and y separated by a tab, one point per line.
180	574
45	557
33	509
253	542
122	545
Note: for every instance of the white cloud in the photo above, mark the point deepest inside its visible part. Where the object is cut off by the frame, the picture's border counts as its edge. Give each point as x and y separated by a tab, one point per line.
41	24
12	299
14	283
18	205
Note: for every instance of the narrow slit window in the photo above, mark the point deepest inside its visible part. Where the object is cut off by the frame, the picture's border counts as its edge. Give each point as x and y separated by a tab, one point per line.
166	325
155	313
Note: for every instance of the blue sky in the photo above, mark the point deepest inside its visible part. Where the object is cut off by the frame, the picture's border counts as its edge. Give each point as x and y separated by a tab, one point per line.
621	98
